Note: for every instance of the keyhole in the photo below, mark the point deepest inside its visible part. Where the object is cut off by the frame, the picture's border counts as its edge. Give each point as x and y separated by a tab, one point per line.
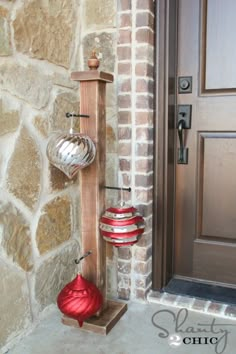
184	84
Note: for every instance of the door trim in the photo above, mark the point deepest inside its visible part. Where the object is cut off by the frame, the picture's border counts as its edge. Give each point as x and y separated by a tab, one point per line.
164	142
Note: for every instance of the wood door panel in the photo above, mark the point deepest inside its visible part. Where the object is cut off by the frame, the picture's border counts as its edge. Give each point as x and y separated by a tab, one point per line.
220	113
205	268
217	185
205	199
219	52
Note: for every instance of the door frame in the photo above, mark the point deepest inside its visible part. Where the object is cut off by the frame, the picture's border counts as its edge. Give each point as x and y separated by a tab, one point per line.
164	142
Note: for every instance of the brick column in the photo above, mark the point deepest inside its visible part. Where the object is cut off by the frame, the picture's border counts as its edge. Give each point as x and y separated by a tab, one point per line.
135	53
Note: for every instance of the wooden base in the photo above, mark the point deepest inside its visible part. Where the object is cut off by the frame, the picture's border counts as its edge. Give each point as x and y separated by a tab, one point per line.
102	324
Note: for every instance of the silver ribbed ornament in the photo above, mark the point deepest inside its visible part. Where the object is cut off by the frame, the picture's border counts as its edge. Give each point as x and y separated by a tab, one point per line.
70	152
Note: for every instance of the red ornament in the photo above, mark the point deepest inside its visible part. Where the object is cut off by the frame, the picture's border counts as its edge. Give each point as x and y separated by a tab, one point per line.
121	225
79	299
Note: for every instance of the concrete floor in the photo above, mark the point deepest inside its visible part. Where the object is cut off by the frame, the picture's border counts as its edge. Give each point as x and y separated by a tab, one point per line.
133	334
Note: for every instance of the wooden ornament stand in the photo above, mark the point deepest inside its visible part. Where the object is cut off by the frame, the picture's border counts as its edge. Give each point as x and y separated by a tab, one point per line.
92	192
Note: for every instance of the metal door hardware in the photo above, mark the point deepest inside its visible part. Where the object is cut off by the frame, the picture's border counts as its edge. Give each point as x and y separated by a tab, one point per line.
185	84
185	113
183	122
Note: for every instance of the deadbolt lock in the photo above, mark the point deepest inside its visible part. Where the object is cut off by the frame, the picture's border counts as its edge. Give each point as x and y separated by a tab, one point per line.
185	84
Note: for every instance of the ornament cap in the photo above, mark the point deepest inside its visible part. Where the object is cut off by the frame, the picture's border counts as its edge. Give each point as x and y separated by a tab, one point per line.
93	62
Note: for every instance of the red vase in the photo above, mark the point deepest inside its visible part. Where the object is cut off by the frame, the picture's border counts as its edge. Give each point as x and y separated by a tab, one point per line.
79	299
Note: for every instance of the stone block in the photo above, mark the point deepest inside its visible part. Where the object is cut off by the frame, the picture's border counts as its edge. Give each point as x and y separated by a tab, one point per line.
26	82
15	236
103	43
100	14
53	274
14	303
5	44
64	102
55	224
58	180
23	174
9	119
45	30
64	80
41	124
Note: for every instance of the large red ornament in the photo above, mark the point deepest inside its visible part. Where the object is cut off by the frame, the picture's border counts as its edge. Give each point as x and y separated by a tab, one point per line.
121	225
79	299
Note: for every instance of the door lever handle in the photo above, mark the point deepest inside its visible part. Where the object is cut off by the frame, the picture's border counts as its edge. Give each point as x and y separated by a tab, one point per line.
182	151
183	122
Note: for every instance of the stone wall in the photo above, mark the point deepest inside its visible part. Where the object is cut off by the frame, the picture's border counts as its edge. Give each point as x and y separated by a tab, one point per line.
41	43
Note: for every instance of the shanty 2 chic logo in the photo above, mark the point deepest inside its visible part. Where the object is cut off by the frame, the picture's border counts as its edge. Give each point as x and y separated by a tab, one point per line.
179	333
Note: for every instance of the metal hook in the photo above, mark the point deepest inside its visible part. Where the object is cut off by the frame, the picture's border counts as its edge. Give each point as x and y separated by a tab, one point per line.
77	261
68	115
118	188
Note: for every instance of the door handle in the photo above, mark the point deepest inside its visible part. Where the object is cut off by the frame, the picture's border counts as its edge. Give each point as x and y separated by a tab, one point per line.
183	122
182	151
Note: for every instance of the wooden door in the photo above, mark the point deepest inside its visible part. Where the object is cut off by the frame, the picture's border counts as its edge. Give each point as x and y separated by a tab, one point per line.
205	210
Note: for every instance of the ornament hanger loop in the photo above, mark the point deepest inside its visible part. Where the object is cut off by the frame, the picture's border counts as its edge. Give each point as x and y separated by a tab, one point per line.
77	261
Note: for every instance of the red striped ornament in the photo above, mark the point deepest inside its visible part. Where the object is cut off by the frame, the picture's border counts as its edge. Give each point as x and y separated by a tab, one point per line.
121	225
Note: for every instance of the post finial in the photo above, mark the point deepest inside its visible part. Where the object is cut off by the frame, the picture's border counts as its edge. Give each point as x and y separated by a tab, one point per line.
93	62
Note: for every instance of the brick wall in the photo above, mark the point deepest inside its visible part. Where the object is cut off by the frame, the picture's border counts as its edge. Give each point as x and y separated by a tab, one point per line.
135	55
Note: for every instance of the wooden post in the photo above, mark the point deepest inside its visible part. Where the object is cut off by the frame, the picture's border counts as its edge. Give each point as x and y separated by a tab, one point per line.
92	193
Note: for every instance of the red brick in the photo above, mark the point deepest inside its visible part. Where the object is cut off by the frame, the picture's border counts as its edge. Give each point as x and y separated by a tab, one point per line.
145	19
124	117
144	195
144	134
144	165
126	180
124	36
215	308
124	53
199	304
123	293
230	311
125	20
144	69
143	253
144	209
124	68
124	267
124	5
145	35
143	85
125	85
124	101
124	133
124	253
144	181
144	118
145	52
141	294
145	240
148	224
124	165
124	281
145	5
144	149
169	299
124	148
143	281
143	267
144	102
